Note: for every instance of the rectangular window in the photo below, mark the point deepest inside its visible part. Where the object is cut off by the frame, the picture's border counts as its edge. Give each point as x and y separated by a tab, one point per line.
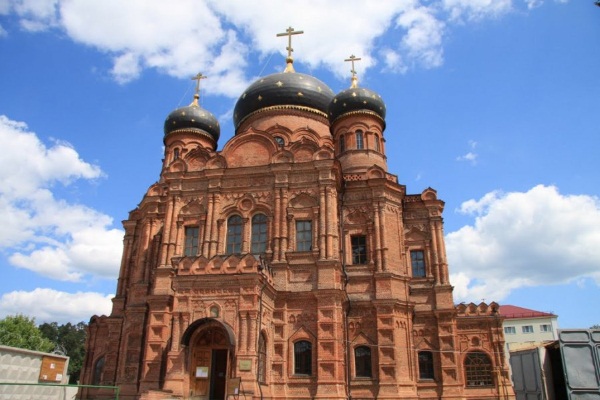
509	330
303	358
417	261
191	241
362	362
359	249
303	235
527	329
359	140
545	328
259	234
235	225
426	365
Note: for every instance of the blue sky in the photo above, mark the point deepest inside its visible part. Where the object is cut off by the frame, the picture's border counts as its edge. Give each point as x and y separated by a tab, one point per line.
493	103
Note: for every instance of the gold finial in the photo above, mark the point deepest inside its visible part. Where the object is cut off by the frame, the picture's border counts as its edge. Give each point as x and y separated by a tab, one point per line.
197	78
354	77
289	60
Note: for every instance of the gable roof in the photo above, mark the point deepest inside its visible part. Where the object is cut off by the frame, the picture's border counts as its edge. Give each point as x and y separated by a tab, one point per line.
513	312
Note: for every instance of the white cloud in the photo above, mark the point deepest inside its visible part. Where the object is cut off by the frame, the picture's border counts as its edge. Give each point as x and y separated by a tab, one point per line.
476	9
392	60
48	305
4	7
180	41
534	3
51	236
539	237
471	156
215	37
423	39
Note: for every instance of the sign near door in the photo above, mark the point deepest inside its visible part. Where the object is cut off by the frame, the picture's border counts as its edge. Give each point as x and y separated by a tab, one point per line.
201	372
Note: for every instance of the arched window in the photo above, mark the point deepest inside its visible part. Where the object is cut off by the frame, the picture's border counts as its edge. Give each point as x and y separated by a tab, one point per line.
359	140
259	234
342	143
98	371
377	145
262	358
426	365
279	140
478	369
302	358
234	234
214	312
175	154
362	362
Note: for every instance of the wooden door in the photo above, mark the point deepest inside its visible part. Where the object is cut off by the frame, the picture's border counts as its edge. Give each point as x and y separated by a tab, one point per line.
218	374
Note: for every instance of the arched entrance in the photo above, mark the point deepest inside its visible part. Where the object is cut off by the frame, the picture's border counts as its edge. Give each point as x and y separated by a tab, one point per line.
211	347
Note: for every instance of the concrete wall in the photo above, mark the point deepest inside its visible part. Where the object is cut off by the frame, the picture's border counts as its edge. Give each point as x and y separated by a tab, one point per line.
24	366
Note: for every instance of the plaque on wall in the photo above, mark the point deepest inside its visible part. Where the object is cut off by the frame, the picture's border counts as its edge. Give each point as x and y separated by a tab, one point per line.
201	372
245	365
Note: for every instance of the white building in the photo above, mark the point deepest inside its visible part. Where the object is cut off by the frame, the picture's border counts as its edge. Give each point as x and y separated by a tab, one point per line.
523	326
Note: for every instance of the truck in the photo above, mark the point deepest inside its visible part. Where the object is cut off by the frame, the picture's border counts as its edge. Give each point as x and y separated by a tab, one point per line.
563	369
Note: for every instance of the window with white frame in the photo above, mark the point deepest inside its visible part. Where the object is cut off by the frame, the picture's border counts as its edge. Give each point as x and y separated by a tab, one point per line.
527	329
545	328
509	330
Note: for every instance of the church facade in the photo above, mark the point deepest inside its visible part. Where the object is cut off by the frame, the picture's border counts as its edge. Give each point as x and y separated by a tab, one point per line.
290	264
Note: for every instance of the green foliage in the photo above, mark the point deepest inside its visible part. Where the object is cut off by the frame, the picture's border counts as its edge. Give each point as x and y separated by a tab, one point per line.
69	339
20	331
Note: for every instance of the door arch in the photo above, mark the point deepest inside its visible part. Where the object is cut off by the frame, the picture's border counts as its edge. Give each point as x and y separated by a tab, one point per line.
211	350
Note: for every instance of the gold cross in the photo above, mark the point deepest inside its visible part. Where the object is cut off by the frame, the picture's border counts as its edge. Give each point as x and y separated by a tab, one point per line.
197	78
289	32
352	59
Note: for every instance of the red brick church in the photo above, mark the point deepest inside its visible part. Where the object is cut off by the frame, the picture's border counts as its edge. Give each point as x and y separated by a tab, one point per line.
290	264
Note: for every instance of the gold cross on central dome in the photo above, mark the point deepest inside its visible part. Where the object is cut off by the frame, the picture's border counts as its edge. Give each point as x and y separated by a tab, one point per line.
289	60
353	58
289	32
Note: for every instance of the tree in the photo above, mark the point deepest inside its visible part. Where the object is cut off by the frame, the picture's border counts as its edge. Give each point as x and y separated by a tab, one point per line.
597	326
21	331
69	339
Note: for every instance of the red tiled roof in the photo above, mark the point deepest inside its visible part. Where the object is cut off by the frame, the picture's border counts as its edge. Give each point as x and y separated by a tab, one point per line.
508	312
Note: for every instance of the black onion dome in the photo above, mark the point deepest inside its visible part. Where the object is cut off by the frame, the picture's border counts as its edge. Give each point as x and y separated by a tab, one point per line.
356	100
283	90
193	118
